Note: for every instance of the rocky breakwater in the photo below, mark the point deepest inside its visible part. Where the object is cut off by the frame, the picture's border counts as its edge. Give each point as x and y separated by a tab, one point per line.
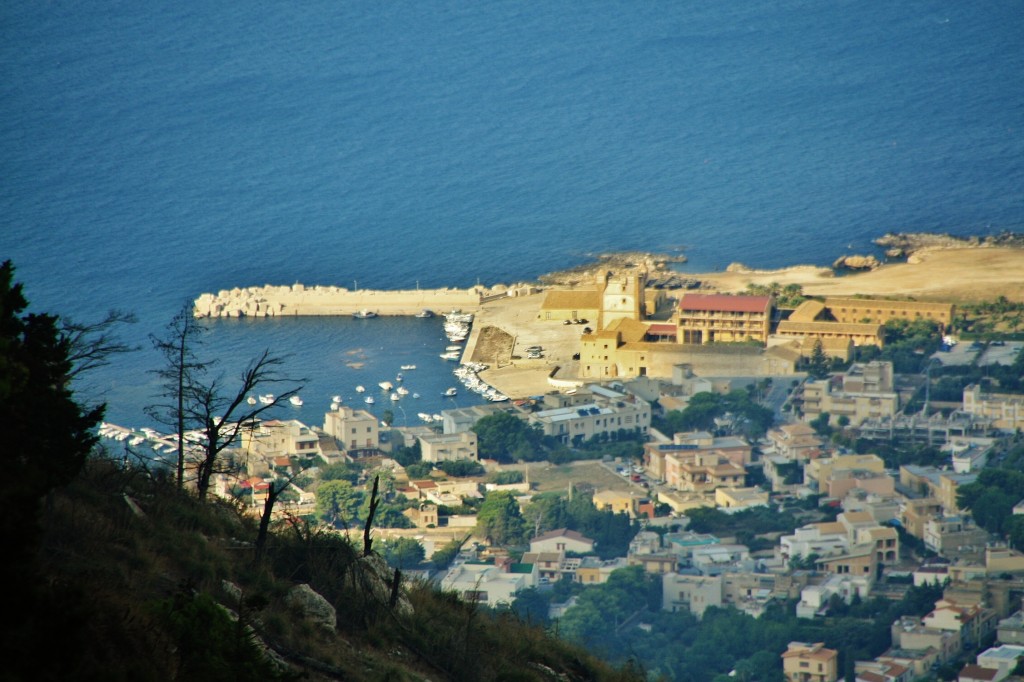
907	244
298	299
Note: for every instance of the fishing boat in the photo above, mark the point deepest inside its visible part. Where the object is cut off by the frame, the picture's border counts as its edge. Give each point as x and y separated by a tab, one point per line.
251	400
450	392
267	398
364	314
402	390
386	385
395	397
369	400
335	398
360	389
295	400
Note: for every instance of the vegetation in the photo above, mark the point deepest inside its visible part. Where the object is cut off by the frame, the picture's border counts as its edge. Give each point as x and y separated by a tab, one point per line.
788	296
751	419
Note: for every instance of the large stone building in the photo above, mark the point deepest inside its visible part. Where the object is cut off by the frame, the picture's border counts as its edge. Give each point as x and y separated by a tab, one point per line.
711	318
448	447
881	311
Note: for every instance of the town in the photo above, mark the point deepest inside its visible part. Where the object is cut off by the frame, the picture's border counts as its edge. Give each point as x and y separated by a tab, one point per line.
754	452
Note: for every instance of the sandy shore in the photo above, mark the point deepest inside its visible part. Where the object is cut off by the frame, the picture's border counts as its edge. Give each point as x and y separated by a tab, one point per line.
948	274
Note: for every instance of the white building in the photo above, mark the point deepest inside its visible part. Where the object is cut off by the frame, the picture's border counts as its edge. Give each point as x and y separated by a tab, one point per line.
354	429
486	583
448	447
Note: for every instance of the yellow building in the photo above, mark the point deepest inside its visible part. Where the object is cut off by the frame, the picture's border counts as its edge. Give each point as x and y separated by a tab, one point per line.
810	663
711	318
832	332
881	311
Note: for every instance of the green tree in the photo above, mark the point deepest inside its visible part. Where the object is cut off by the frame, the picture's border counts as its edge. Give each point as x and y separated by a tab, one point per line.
338	503
506	438
499	519
403	553
47	434
462	467
818	364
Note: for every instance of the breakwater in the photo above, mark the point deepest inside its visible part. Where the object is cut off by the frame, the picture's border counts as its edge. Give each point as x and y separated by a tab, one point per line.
298	299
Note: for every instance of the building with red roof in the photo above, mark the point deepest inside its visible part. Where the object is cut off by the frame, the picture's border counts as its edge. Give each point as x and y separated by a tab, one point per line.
710	318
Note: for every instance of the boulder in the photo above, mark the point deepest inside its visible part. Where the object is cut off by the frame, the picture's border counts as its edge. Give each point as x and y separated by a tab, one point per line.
313	606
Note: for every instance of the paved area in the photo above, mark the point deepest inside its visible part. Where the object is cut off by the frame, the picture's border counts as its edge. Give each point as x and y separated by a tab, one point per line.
511	372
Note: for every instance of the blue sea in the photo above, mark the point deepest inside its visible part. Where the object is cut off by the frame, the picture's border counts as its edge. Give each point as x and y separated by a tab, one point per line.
152	152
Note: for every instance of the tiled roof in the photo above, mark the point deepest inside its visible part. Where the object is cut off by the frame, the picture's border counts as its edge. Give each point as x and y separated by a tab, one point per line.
724	303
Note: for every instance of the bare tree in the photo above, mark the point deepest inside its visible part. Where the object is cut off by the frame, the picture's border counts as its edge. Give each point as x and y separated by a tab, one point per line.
90	345
183	369
221	415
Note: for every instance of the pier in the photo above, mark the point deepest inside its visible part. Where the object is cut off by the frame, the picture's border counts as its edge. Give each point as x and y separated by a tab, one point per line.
298	299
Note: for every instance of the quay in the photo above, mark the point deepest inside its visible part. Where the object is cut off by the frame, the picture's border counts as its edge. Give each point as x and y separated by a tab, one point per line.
298	299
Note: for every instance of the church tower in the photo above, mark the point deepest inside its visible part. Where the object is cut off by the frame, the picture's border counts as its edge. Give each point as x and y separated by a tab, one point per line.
621	297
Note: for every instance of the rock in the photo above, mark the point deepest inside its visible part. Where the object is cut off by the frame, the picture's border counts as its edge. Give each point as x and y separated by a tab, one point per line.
313	606
376	577
856	262
232	591
737	267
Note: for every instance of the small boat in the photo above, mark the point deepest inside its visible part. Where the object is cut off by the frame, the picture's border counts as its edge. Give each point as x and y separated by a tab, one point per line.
251	400
425	313
451	349
402	390
360	389
386	385
335	398
415	395
295	400
449	356
364	314
450	392
395	397
267	398
369	400
408	367
399	377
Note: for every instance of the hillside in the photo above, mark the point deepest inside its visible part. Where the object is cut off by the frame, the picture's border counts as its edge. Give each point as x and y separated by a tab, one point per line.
137	580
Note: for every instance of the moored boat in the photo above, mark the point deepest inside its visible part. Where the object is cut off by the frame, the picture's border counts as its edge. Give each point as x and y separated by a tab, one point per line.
364	314
295	400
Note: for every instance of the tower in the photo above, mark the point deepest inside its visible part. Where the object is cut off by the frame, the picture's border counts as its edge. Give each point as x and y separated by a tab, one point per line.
621	297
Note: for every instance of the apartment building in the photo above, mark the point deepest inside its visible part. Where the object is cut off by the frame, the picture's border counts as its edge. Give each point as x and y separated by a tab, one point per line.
1005	410
865	391
606	414
356	430
810	663
448	447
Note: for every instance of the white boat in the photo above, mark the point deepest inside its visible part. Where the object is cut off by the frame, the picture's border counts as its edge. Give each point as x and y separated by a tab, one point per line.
451	349
399	377
251	400
267	398
415	395
424	416
386	385
360	389
408	367
438	418
450	392
402	390
295	400
335	398
364	314
425	313
369	400
449	356
395	397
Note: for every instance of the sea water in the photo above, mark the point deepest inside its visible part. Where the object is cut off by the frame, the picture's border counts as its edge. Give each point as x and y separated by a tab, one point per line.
153	153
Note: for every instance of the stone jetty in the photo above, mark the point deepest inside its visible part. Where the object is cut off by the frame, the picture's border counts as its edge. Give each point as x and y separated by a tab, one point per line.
298	299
